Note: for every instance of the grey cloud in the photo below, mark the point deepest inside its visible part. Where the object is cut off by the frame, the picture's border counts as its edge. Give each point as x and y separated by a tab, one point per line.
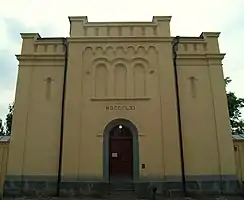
8	66
8	75
2	113
14	27
8	62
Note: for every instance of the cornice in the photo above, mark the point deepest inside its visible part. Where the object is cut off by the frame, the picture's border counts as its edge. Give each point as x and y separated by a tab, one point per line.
118	39
194	63
40	64
190	56
162	18
200	56
210	34
119	99
43	57
216	56
48	42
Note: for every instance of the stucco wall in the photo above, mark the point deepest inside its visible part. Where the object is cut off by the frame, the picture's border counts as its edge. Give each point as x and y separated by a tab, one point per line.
4	148
36	122
237	144
92	117
98	85
120	64
239	160
204	111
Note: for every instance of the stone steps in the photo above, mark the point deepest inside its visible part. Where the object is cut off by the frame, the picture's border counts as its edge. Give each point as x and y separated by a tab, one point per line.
122	190
122	186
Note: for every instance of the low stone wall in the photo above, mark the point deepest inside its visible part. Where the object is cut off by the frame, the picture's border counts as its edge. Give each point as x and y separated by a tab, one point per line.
100	189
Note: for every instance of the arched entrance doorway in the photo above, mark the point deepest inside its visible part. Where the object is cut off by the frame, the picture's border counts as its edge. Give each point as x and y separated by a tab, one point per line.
120	151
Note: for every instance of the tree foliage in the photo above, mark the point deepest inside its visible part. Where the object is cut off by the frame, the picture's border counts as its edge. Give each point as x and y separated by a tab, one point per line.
235	105
9	118
5	128
1	128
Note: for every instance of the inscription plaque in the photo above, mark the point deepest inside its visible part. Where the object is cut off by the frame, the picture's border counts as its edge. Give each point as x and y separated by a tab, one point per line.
120	107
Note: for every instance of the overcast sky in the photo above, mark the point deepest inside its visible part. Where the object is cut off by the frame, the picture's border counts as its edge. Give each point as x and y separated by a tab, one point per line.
189	18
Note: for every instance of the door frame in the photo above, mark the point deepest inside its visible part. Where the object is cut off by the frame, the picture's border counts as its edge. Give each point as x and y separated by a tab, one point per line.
135	147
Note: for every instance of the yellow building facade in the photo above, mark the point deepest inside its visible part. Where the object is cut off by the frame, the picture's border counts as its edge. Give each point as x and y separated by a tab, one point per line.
120	103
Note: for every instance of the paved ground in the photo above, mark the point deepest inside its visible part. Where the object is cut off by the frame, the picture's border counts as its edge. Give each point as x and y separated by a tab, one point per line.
131	198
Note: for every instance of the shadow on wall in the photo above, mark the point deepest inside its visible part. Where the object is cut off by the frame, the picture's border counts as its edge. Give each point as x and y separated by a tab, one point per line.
4	146
238	142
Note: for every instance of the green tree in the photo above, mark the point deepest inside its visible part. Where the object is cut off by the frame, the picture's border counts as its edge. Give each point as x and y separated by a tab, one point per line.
235	105
9	118
1	128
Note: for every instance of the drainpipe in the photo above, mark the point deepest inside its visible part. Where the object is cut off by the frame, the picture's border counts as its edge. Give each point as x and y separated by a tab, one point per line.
175	49
65	45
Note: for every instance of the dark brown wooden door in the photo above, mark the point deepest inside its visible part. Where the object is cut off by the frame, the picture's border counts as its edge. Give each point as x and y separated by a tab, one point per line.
121	157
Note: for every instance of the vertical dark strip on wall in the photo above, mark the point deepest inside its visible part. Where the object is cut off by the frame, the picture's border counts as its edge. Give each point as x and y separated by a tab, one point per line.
65	45
175	44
